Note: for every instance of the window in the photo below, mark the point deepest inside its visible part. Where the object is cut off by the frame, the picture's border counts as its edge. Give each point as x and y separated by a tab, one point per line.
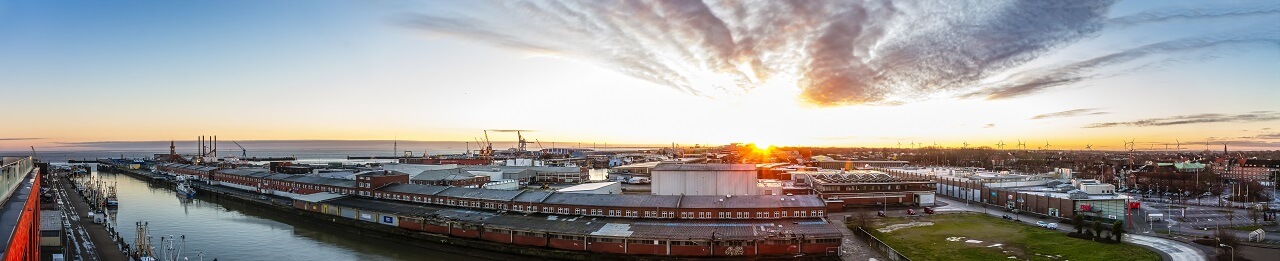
777	214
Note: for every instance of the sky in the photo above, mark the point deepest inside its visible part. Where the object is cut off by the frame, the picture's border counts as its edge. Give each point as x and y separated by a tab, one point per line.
812	73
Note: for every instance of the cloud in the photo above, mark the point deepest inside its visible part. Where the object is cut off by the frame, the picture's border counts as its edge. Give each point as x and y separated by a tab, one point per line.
7	139
1037	80
1069	113
1267	136
989	125
1256	116
837	52
1174	14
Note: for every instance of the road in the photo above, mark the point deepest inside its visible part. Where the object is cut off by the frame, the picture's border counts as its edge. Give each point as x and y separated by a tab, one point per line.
1169	249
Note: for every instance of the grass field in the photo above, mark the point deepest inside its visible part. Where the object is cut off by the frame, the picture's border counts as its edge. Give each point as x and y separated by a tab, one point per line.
946	239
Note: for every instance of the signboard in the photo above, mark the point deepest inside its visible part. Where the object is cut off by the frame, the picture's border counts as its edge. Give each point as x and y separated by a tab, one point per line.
1086	207
1134	204
388	219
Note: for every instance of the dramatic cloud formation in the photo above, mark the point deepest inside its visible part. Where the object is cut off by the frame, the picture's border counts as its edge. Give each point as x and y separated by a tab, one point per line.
1255	116
838	52
4	139
1070	113
1032	81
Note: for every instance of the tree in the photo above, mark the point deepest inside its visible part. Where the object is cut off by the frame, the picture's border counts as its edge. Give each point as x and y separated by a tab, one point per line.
1117	229
1097	228
1257	211
860	219
1078	221
1225	237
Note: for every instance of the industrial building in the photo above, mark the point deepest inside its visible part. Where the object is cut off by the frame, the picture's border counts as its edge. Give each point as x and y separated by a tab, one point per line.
868	187
705	179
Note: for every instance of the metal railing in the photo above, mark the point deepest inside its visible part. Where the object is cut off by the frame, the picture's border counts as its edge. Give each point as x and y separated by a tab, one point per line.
880	246
12	175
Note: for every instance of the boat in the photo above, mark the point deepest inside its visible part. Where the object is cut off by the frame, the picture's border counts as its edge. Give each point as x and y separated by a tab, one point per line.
112	201
185	189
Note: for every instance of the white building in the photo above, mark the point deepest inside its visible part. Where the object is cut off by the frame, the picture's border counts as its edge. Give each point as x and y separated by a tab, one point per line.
1093	187
595	188
705	179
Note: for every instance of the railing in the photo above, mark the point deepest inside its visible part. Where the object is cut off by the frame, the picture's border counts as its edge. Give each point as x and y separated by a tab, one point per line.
13	174
880	246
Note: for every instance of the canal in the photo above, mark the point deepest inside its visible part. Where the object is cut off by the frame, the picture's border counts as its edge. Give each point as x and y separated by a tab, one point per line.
232	230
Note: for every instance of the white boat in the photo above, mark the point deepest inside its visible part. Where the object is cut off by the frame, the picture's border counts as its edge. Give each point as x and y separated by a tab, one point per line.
185	190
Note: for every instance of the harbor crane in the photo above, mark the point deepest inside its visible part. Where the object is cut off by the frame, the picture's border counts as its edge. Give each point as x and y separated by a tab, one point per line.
243	152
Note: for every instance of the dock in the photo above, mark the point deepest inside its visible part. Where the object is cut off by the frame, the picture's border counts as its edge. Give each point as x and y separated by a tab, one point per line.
93	241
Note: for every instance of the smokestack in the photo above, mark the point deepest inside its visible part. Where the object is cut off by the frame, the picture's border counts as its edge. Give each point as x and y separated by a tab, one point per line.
200	146
215	146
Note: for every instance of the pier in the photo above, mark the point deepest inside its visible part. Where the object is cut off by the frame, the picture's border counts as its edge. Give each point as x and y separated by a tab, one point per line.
91	241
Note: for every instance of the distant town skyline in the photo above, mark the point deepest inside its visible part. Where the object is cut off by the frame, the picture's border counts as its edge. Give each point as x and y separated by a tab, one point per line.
818	73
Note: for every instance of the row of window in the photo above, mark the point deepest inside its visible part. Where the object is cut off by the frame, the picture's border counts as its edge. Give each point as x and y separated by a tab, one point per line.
558	210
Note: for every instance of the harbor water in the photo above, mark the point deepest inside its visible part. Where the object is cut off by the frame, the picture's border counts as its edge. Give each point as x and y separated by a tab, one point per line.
232	230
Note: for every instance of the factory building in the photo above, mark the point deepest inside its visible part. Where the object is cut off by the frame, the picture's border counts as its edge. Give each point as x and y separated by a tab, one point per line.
705	179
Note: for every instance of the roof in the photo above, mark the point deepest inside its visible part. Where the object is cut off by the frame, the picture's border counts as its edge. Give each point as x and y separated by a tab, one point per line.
418	189
323	181
588	186
617	200
533	196
765	201
319	197
482	194
517	169
705	167
443	174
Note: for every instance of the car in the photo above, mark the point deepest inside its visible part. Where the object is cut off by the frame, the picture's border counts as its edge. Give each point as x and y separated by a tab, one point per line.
928	210
1042	224
880	213
1006	217
911	211
1053	226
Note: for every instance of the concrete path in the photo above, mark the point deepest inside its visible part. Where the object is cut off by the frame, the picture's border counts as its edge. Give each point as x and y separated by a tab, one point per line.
1175	250
853	248
92	241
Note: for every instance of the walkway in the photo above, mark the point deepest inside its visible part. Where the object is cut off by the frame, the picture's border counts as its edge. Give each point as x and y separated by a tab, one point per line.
91	242
852	248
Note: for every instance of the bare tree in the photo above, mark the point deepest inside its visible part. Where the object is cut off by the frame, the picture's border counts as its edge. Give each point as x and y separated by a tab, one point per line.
860	219
1231	217
1255	213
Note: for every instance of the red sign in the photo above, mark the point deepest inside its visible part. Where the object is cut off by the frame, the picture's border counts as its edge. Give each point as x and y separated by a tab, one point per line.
1086	207
1134	204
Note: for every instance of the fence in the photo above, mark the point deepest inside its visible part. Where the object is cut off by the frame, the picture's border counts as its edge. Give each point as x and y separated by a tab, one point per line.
880	246
13	173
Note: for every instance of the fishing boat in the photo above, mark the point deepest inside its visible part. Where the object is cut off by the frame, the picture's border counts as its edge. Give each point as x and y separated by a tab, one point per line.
184	189
112	201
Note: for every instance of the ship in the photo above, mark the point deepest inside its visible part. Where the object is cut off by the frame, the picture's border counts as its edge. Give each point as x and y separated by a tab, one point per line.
184	189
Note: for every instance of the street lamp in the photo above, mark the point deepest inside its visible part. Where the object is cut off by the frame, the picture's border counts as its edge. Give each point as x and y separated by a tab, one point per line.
1233	251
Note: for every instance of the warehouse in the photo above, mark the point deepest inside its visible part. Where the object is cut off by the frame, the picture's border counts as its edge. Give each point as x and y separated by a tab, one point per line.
705	179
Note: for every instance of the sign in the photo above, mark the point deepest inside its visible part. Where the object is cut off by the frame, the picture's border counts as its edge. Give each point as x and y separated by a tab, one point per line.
1086	207
1134	204
388	219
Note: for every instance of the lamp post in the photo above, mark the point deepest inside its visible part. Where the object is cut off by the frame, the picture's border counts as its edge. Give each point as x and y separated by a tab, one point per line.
1233	251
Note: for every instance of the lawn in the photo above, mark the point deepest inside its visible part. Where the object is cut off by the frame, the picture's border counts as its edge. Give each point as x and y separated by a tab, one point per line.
954	236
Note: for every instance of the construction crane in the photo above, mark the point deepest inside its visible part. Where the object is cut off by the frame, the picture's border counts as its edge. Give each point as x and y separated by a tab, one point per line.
243	152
